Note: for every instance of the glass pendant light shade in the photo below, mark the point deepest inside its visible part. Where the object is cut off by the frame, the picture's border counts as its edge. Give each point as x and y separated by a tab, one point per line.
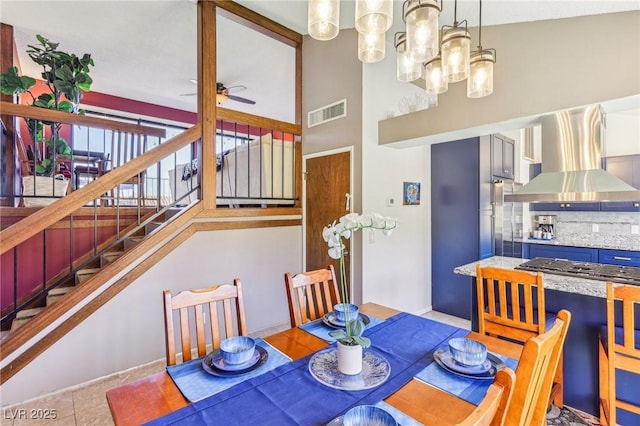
406	70
422	18
323	19
480	81
373	16
456	46
434	81
371	47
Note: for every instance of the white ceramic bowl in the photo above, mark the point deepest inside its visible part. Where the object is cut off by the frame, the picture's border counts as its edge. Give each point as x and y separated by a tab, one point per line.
340	310
467	351
237	350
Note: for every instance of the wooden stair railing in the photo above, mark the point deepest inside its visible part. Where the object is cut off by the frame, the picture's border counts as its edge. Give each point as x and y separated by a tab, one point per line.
49	215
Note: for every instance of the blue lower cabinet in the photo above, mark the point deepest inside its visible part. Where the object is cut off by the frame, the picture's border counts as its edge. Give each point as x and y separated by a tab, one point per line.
578	254
619	257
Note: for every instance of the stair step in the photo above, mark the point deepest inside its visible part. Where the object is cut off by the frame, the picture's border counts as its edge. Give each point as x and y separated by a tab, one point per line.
57	293
109	257
129	242
23	317
152	226
84	274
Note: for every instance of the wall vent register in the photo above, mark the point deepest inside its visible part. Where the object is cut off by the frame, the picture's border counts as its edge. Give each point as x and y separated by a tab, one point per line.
593	271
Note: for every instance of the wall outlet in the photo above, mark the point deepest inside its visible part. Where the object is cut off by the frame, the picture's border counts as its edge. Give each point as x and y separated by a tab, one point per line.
595	227
634	229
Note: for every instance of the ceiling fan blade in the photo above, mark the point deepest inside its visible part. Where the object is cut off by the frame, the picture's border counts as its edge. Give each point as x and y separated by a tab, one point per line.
243	100
236	89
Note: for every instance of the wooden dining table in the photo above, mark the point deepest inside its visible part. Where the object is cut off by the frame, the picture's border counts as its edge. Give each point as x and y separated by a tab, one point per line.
156	395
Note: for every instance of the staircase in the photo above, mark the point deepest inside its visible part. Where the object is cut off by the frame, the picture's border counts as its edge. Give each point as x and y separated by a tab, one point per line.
94	267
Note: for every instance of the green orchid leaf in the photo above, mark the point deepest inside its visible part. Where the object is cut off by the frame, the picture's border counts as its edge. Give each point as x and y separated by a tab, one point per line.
355	327
338	334
365	342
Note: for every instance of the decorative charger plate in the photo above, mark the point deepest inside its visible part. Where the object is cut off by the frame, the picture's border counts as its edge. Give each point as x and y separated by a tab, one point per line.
332	321
487	371
339	421
211	368
323	366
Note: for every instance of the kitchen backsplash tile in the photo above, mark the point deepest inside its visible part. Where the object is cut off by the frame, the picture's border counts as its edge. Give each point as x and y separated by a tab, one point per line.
614	229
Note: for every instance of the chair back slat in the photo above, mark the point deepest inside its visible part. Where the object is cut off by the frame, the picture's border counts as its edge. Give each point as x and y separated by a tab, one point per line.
535	374
620	352
506	303
492	408
311	294
196	308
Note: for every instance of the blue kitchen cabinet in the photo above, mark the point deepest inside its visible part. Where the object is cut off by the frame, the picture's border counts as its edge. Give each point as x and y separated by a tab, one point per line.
502	156
619	257
578	254
627	168
534	170
460	219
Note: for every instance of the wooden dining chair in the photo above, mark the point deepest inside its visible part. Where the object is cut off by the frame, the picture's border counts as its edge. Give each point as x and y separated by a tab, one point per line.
535	374
199	319
511	304
492	408
311	294
618	349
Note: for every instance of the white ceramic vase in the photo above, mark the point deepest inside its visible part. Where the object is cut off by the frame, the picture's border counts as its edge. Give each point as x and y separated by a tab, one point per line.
349	359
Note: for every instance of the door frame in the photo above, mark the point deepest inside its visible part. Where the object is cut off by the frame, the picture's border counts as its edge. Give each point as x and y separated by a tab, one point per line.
350	149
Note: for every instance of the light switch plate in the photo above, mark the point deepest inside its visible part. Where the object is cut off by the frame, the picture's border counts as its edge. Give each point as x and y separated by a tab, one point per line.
391	201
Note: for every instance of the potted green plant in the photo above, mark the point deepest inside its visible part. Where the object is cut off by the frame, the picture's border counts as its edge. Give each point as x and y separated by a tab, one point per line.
350	339
66	77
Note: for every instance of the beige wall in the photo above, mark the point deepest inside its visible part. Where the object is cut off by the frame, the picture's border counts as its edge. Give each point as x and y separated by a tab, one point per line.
541	67
331	72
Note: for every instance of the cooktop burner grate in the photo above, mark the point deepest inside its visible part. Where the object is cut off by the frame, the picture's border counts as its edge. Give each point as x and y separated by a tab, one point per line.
595	271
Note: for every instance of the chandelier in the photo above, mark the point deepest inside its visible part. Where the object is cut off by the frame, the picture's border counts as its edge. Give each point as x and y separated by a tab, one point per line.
441	55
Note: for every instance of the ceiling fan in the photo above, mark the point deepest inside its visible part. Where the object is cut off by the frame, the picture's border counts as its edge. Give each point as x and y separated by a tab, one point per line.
224	93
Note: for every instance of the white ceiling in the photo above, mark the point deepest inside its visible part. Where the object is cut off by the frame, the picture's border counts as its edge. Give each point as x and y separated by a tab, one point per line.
146	50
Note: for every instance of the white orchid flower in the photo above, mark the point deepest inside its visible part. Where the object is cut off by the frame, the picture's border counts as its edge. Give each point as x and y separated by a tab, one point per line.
335	252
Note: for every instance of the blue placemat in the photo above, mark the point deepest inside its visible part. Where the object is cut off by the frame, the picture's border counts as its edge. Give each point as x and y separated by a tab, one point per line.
471	390
321	330
196	384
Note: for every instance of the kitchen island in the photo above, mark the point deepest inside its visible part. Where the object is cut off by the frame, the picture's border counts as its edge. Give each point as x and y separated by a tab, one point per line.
586	300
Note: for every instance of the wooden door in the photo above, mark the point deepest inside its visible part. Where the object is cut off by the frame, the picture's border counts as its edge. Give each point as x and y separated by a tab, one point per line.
327	183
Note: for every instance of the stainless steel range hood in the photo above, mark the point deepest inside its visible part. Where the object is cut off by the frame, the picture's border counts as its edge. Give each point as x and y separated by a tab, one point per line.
571	162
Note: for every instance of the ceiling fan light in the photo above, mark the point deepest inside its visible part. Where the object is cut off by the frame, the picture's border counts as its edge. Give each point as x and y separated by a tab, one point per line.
422	19
406	69
434	81
221	98
480	81
373	16
456	47
323	19
371	47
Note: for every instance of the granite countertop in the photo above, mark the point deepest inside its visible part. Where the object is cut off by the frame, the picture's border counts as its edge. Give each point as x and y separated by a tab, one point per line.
554	282
601	241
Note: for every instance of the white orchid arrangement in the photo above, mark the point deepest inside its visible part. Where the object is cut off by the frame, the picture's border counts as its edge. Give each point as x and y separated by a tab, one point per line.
333	235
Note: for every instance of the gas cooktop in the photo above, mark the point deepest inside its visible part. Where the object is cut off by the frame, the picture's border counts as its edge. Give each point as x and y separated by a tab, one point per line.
594	271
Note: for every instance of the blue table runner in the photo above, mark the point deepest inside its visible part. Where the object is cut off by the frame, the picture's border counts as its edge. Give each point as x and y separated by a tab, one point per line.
289	395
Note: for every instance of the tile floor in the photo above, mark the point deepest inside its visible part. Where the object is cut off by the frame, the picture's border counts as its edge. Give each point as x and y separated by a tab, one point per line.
86	404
